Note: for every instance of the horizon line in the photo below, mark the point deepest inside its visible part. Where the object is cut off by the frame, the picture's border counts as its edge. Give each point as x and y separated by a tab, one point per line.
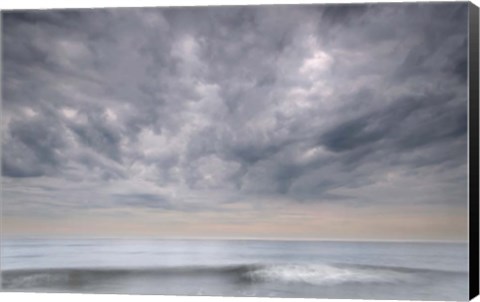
87	237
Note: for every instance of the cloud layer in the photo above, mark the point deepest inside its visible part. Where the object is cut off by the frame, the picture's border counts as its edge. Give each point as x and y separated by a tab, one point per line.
201	108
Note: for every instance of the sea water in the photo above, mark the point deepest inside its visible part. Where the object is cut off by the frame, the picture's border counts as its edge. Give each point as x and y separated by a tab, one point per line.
262	268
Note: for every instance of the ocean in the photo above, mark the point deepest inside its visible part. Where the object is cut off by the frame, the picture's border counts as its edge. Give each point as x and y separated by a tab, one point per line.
260	268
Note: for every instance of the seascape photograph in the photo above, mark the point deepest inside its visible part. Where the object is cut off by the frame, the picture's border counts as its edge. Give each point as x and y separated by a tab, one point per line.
294	151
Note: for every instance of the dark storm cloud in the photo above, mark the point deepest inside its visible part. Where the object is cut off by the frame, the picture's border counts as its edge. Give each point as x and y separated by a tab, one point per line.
34	149
143	200
345	13
288	102
98	135
433	117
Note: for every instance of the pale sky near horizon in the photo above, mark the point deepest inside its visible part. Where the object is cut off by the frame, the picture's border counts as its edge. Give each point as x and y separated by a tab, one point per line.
301	121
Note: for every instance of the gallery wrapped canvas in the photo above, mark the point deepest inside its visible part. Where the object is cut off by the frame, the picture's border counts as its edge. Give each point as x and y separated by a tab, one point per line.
305	151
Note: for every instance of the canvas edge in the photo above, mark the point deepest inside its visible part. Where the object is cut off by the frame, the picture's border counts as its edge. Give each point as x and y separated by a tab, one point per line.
473	167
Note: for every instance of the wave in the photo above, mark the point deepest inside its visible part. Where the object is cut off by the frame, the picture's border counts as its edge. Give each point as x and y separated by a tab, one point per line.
327	274
307	274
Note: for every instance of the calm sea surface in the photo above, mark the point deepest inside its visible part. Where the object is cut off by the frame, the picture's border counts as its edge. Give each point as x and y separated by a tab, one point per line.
310	269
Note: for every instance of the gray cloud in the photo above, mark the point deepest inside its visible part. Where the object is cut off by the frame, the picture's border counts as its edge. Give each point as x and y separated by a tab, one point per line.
155	201
303	103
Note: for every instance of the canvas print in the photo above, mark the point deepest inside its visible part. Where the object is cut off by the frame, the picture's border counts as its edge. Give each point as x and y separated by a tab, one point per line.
307	151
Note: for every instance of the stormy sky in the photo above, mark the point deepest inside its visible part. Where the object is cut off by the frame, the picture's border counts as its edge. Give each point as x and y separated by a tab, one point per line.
303	121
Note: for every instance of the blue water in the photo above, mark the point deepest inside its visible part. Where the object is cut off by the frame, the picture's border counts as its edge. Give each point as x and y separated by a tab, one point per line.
309	269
